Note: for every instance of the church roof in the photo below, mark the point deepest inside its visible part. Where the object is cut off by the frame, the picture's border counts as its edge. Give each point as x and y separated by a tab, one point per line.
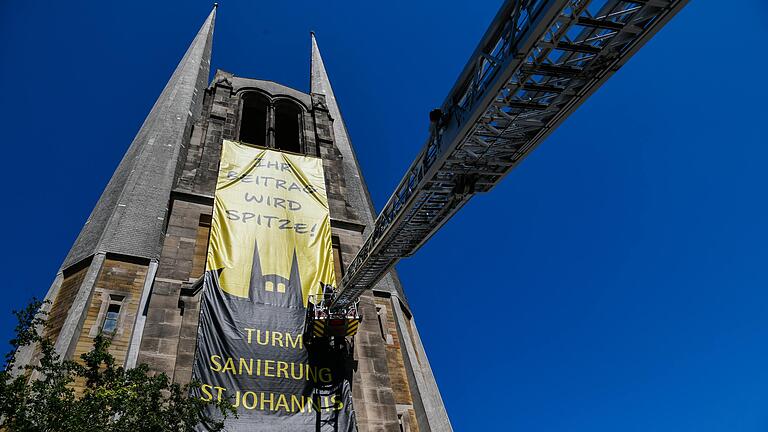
271	87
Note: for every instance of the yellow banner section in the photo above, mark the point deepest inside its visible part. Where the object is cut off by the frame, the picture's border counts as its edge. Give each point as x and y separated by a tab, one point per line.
271	230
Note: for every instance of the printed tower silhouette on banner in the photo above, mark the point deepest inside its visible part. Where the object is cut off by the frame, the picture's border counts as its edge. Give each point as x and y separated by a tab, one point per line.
142	251
273	289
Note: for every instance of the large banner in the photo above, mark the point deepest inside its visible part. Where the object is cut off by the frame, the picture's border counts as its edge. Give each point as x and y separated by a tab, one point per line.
270	249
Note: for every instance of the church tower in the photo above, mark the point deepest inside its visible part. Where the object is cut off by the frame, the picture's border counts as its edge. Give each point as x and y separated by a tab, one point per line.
135	270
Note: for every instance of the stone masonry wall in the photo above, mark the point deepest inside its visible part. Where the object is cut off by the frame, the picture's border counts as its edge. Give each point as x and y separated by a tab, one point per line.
398	376
118	282
163	340
66	295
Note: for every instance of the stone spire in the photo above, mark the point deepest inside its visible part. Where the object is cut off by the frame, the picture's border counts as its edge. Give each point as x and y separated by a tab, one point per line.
130	214
320	84
430	410
357	191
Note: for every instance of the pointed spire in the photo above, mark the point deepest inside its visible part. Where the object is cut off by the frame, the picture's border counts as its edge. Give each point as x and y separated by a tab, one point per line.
321	84
357	191
129	216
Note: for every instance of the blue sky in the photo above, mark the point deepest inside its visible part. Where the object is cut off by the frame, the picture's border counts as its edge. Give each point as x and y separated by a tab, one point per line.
615	281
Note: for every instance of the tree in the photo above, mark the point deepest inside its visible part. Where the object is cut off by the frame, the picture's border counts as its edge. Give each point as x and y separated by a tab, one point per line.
40	397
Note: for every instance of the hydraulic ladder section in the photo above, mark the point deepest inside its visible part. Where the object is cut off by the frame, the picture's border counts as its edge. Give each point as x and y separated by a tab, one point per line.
538	61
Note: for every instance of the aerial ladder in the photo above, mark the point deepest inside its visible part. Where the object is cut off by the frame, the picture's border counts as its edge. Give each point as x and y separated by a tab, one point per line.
536	63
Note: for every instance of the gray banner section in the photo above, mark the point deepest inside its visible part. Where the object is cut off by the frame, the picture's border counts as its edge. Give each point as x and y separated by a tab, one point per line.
252	352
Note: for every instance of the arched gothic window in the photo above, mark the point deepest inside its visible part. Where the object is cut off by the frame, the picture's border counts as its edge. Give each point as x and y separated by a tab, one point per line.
255	118
277	125
287	126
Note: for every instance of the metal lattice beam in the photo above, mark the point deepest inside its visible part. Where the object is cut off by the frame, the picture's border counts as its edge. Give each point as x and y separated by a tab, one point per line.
537	62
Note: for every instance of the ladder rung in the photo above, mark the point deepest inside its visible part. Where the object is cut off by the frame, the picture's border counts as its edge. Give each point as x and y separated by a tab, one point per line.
598	23
542	88
551	70
575	47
